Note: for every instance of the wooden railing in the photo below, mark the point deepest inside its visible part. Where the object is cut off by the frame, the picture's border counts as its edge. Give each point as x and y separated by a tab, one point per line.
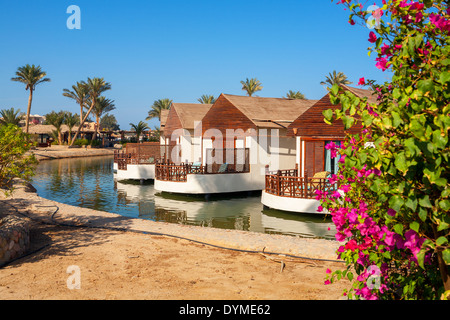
177	172
167	171
296	187
139	153
232	160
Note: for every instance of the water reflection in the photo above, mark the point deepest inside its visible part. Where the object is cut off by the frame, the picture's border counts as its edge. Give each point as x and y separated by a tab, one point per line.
90	183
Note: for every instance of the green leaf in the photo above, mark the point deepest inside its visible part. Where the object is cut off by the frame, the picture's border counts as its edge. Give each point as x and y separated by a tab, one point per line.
350	276
425	202
400	162
414	226
398	228
411	203
444	204
440	139
328	114
446	256
396	203
444	77
335	89
417	129
421	258
348	121
425	86
396	119
423	214
441	241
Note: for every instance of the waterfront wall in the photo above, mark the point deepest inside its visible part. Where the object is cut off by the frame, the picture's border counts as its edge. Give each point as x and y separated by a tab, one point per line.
14	238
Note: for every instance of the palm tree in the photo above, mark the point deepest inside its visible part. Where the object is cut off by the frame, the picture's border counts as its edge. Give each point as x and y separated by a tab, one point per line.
251	86
157	132
102	106
56	119
10	116
206	99
70	120
338	78
295	95
79	93
31	76
156	108
139	128
96	86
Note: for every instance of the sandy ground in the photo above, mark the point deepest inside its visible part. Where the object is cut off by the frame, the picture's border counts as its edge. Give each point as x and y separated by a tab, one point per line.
145	260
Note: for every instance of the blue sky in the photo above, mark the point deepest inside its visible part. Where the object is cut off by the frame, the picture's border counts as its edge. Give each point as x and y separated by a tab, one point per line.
151	50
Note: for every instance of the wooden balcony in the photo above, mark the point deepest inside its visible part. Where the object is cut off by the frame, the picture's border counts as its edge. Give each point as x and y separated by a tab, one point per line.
283	184
140	153
166	171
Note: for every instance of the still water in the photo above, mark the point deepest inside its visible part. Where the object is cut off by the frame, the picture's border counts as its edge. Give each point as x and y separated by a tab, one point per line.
91	183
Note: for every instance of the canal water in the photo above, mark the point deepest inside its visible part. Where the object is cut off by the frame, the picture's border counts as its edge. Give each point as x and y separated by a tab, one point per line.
91	183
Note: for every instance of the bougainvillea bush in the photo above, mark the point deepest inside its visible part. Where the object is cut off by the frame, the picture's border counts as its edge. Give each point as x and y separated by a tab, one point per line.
392	209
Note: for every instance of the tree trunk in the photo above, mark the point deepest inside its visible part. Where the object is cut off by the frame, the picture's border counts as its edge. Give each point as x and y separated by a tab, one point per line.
444	271
97	122
81	117
30	99
82	122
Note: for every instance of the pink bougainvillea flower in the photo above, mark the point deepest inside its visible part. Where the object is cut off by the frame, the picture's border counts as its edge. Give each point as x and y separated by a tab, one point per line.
372	37
351	245
391	212
440	22
361	82
385	50
382	63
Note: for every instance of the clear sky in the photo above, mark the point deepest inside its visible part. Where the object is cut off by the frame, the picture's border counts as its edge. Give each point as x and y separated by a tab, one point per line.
151	50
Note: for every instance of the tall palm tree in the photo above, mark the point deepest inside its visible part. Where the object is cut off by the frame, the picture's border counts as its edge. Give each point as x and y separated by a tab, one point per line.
295	95
10	116
102	106
335	78
158	105
251	86
96	86
31	76
79	93
139	128
206	99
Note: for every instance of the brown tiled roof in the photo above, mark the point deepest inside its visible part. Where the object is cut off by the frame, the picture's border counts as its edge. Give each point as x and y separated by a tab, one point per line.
164	114
270	112
189	113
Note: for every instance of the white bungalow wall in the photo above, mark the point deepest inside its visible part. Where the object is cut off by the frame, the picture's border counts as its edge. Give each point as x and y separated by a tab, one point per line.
276	150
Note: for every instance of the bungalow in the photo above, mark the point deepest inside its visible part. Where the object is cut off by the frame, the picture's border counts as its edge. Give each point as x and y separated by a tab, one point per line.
176	142
294	190
238	139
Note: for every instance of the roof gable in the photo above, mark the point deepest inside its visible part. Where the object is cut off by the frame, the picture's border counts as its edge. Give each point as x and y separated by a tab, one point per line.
311	122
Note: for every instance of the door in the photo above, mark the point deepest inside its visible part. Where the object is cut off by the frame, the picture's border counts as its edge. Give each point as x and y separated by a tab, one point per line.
314	157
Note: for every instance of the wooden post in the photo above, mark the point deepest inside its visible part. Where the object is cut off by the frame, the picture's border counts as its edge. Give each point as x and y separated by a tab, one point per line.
305	187
278	182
